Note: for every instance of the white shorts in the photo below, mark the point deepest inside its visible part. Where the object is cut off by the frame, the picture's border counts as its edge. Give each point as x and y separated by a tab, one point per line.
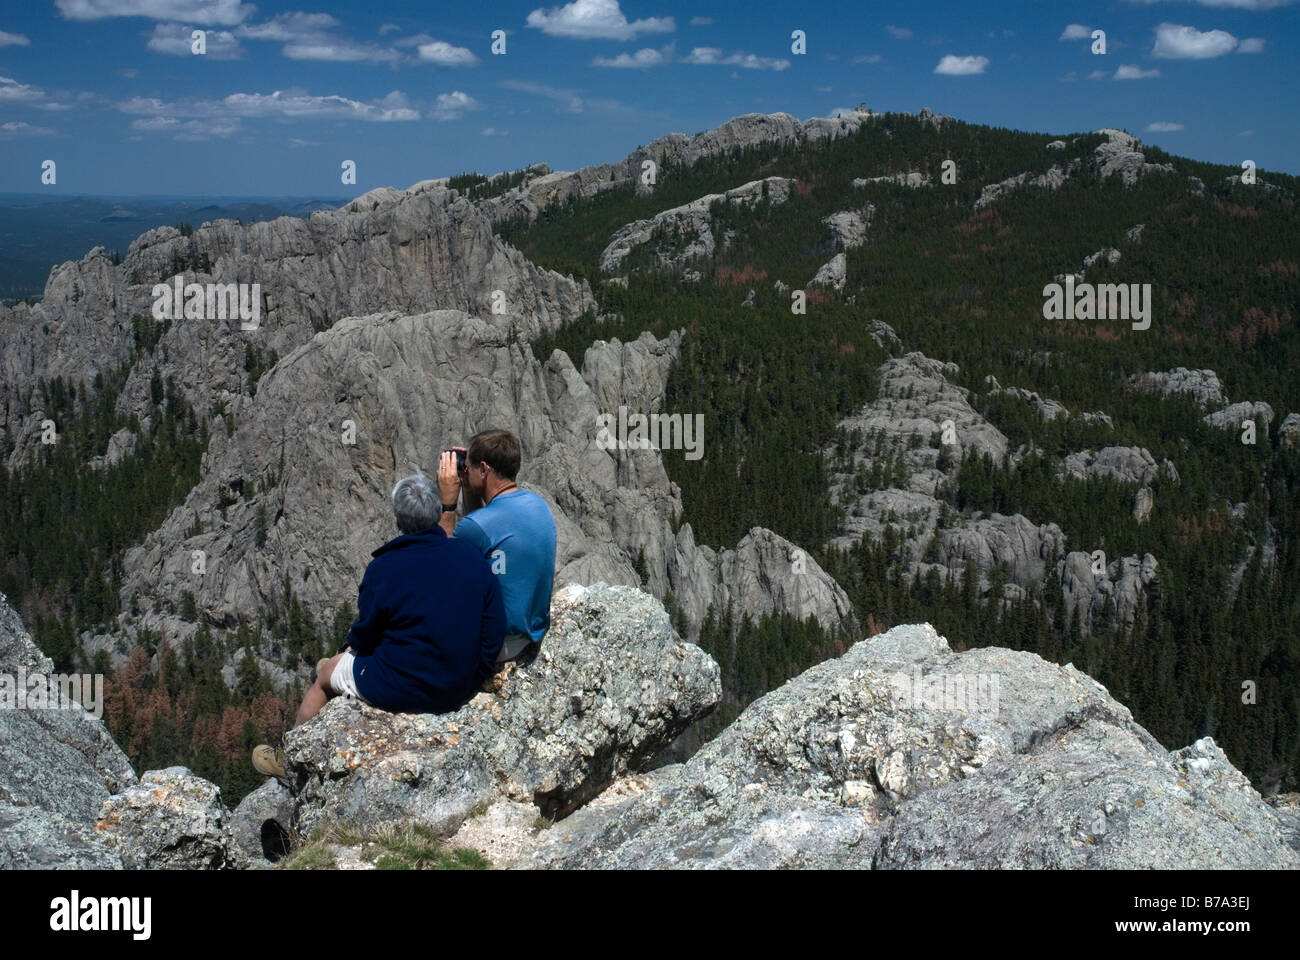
343	681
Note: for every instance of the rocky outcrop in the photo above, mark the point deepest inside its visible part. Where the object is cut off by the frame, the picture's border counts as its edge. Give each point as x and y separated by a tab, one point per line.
833	274
1203	386
410	250
693	222
536	194
936	120
1113	594
904	755
170	820
849	227
912	179
1047	408
1120	155
1051	179
1233	416
59	766
1108	257
1288	432
612	686
1125	464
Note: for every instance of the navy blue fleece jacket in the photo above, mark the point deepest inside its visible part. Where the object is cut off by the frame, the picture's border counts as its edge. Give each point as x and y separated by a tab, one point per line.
430	623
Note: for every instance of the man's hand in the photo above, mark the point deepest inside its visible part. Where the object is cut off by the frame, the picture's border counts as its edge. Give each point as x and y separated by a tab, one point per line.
448	477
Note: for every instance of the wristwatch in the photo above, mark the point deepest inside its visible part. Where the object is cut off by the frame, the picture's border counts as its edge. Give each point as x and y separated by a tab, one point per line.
449	509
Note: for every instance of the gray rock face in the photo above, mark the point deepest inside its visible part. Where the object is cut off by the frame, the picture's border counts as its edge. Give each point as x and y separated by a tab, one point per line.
916	399
1203	386
693	221
171	820
1048	409
936	120
1134	234
1122	586
1108	256
832	274
410	250
913	179
612	686
120	444
1126	464
536	194
1234	415
1120	154
1052	179
849	227
58	766
1288	432
999	760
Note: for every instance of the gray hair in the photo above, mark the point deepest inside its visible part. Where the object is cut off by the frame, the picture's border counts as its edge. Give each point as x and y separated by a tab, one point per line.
415	504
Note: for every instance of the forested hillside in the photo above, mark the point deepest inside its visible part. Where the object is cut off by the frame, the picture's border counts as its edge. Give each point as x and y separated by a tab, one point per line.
966	285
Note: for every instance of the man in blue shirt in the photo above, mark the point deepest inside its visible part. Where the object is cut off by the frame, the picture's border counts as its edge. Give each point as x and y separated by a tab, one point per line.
430	623
514	532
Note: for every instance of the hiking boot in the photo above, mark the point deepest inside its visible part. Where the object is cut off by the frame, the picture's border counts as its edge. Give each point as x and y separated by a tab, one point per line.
269	762
320	665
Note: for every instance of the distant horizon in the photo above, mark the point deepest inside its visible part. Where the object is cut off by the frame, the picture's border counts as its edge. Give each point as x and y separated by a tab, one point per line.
119	97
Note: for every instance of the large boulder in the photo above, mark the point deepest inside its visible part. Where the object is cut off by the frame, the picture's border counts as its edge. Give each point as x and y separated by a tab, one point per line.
170	820
612	685
904	755
58	766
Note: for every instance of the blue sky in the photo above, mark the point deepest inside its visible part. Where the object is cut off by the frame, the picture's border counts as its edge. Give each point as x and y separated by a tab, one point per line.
110	90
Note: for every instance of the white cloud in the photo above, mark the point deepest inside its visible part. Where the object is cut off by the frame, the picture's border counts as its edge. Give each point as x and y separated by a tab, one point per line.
1131	71
341	50
11	91
1076	31
174	39
595	19
572	102
1251	45
1175	42
868	58
446	55
1234	4
494	132
287	104
898	33
702	21
13	40
224	13
298	142
711	56
20	128
1098	75
1246	133
1163	126
450	106
188	130
648	57
1070	77
954	66
387	28
293	27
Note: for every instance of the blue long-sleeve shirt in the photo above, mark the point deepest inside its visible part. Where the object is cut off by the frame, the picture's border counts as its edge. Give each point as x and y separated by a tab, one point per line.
430	623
